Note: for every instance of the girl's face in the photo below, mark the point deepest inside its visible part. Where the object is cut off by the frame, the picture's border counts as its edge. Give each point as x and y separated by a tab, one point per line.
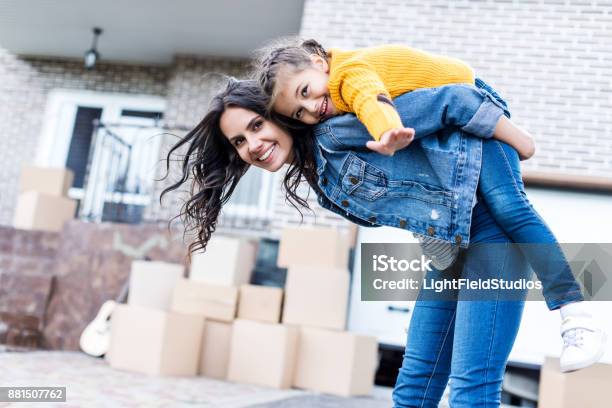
304	95
259	142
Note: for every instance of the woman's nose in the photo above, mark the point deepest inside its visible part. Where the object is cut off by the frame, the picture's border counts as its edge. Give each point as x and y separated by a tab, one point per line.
255	145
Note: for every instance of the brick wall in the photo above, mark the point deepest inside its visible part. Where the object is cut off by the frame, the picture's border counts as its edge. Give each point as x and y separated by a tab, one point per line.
550	59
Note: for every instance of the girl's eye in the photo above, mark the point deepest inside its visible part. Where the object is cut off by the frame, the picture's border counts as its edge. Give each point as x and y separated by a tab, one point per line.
237	142
298	114
257	125
304	91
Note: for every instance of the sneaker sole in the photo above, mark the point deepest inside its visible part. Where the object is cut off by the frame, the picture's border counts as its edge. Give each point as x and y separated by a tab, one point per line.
591	361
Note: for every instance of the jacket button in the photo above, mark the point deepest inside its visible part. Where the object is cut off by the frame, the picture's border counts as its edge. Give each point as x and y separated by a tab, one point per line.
324	181
431	230
344	203
402	224
353	180
372	219
458	239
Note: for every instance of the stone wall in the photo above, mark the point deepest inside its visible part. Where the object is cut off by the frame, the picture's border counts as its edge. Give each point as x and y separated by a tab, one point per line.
89	263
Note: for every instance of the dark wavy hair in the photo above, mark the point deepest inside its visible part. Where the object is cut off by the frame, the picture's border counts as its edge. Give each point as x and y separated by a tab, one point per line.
216	168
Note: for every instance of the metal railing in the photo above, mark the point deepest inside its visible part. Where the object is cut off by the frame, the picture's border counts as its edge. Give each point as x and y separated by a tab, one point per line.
118	183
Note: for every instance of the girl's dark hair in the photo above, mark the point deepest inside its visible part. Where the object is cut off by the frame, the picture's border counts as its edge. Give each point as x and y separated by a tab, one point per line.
216	167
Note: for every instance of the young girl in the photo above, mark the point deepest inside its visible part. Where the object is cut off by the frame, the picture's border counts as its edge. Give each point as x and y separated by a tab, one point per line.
308	84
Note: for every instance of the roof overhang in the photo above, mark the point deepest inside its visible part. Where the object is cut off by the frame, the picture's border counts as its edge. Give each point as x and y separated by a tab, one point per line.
145	31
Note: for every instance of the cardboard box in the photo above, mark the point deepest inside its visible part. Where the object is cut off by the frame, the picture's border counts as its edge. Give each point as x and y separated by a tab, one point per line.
316	296
589	387
335	362
54	181
152	341
262	303
152	283
262	353
314	247
215	352
227	261
211	301
40	211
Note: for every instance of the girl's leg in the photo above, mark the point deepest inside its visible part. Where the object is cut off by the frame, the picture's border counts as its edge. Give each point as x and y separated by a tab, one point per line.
502	189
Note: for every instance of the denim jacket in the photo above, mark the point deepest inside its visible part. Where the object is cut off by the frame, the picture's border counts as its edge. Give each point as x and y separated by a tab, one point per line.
429	187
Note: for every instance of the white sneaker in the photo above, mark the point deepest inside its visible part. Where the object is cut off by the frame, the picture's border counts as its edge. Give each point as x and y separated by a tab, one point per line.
583	343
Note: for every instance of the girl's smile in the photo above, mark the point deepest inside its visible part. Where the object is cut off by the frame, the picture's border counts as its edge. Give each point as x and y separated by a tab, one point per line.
304	95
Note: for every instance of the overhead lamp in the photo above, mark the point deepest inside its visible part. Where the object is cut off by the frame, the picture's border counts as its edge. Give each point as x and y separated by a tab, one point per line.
92	55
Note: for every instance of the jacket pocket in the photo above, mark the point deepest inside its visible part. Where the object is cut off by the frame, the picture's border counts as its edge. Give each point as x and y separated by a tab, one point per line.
363	180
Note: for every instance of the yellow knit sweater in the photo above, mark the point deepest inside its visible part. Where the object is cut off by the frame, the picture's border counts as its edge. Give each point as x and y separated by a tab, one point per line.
357	78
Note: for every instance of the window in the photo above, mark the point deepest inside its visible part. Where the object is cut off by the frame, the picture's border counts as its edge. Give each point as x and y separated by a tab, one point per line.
113	163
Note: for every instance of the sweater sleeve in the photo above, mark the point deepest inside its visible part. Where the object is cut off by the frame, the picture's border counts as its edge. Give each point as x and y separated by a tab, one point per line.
363	91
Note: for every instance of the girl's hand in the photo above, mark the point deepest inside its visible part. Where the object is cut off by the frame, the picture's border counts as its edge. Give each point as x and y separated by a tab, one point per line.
392	140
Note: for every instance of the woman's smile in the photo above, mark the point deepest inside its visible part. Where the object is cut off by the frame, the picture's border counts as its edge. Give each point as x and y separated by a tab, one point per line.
266	157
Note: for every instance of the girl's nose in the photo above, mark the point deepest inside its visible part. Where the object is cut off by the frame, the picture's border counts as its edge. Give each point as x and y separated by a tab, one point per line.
312	106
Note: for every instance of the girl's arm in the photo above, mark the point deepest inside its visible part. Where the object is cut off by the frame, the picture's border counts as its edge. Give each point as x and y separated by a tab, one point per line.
429	111
359	89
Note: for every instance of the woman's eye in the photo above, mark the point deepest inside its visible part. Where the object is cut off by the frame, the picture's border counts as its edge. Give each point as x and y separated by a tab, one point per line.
298	114
257	125
237	142
305	91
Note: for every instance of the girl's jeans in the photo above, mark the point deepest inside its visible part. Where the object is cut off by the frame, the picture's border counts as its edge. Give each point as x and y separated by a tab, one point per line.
502	189
468	341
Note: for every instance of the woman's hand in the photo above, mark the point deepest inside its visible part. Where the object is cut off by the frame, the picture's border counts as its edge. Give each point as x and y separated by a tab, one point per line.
392	140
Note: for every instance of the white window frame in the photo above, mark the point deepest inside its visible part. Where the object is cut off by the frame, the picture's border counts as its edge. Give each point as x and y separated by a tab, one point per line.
59	120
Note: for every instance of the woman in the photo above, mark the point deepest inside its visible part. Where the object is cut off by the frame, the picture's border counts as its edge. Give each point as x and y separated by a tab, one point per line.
428	188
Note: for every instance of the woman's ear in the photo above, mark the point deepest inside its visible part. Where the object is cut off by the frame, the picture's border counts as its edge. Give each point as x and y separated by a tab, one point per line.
319	63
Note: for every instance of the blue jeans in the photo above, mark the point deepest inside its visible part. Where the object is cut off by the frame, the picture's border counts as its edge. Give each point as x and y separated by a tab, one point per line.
465	341
501	188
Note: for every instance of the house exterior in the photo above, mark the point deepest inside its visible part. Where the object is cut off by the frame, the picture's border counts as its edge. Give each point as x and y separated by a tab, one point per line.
550	59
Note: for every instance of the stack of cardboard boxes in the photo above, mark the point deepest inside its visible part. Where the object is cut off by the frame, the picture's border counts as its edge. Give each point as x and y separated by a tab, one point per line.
42	203
172	325
328	359
147	336
217	325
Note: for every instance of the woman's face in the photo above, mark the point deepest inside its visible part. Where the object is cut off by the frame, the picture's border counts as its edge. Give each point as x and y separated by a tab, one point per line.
258	141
